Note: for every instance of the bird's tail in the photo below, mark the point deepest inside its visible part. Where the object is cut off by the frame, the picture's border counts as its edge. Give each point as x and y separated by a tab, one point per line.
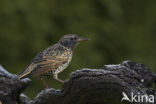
27	72
22	75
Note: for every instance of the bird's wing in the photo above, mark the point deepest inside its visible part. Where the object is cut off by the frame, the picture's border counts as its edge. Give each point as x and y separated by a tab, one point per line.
50	64
45	61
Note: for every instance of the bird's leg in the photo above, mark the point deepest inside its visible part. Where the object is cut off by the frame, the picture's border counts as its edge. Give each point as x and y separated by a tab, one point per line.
44	84
56	78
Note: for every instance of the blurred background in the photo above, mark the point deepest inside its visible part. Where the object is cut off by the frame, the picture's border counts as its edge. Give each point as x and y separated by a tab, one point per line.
119	30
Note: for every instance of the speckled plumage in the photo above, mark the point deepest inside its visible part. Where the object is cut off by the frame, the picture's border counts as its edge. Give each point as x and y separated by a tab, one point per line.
54	59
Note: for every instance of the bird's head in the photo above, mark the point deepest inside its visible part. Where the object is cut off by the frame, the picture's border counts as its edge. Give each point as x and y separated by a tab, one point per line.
71	40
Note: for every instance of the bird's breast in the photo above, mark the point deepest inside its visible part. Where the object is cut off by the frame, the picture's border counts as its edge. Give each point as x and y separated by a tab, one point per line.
64	65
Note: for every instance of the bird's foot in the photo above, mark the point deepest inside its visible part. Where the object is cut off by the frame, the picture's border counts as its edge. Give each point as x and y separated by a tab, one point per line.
56	78
60	80
44	84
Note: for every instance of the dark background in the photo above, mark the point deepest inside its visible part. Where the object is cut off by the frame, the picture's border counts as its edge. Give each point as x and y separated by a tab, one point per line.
119	30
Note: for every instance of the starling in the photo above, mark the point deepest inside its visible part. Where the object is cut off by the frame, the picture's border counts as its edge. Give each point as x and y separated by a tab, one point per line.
52	60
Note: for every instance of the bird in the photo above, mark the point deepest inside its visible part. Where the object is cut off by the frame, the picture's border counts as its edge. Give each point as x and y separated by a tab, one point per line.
52	60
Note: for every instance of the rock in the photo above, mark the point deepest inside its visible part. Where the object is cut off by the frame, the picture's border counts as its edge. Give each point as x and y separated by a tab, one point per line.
87	86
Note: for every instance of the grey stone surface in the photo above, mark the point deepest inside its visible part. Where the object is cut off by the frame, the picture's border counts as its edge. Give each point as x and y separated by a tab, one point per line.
85	86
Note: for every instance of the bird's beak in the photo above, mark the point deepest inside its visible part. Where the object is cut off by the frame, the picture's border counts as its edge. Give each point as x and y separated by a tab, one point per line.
79	39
